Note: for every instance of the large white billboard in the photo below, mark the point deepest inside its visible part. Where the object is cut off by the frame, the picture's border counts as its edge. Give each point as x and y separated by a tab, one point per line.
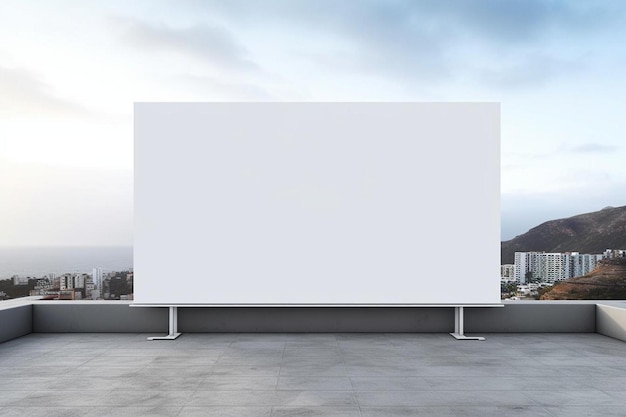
317	203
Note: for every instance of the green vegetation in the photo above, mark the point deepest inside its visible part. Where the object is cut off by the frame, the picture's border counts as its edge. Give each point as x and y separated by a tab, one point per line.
508	290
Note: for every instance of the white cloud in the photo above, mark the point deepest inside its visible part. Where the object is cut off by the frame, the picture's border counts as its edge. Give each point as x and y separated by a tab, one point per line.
209	43
23	91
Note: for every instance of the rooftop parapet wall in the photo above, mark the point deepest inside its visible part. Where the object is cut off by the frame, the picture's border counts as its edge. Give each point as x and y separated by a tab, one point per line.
21	318
611	319
16	320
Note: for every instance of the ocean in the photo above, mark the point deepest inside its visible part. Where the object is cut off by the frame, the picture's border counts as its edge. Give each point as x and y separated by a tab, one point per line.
39	261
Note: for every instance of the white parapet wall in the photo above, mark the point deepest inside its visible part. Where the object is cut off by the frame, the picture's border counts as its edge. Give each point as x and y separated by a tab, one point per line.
611	319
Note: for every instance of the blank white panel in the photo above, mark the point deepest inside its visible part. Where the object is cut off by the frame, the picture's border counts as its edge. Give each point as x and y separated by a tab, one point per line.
317	203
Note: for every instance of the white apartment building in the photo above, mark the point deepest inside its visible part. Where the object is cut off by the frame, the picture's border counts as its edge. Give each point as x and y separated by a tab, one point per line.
615	253
71	281
552	267
66	282
582	264
525	262
97	277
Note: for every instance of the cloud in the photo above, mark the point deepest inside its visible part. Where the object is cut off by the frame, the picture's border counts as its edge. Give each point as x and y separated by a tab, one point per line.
523	70
563	150
495	20
218	89
593	148
512	21
23	91
434	41
414	45
206	42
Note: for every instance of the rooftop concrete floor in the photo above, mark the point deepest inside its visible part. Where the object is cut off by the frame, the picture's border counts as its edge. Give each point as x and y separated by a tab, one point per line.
313	375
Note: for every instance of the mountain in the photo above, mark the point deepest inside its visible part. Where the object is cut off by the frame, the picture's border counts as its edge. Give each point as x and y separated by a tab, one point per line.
584	233
606	282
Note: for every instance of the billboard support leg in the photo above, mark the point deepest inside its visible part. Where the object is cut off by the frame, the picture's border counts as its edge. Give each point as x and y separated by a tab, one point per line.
173	326
458	326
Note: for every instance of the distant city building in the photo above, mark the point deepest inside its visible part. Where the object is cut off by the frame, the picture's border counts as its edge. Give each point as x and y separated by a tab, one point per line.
615	253
507	271
19	280
66	282
526	263
42	284
582	264
97	277
552	267
89	287
72	281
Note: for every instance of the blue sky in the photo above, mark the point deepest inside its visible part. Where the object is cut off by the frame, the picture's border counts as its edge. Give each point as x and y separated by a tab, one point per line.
70	72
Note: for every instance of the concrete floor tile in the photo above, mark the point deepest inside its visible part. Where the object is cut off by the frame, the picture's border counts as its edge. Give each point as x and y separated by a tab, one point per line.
19	372
407	412
232	398
133	411
399	399
183	361
179	383
397	383
13	383
381	370
325	374
156	371
237	370
619	397
502	383
91	383
307	351
242	360
513	411
313	370
588	371
586	411
315	383
68	398
56	361
14	398
112	371
589	397
316	412
607	383
225	412
315	399
118	361
154	399
240	383
509	399
44	411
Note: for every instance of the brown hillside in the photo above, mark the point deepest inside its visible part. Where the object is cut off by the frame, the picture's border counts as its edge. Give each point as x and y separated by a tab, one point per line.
585	233
606	282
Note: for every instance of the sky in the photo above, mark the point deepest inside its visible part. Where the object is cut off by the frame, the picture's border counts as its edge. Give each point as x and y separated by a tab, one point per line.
70	72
